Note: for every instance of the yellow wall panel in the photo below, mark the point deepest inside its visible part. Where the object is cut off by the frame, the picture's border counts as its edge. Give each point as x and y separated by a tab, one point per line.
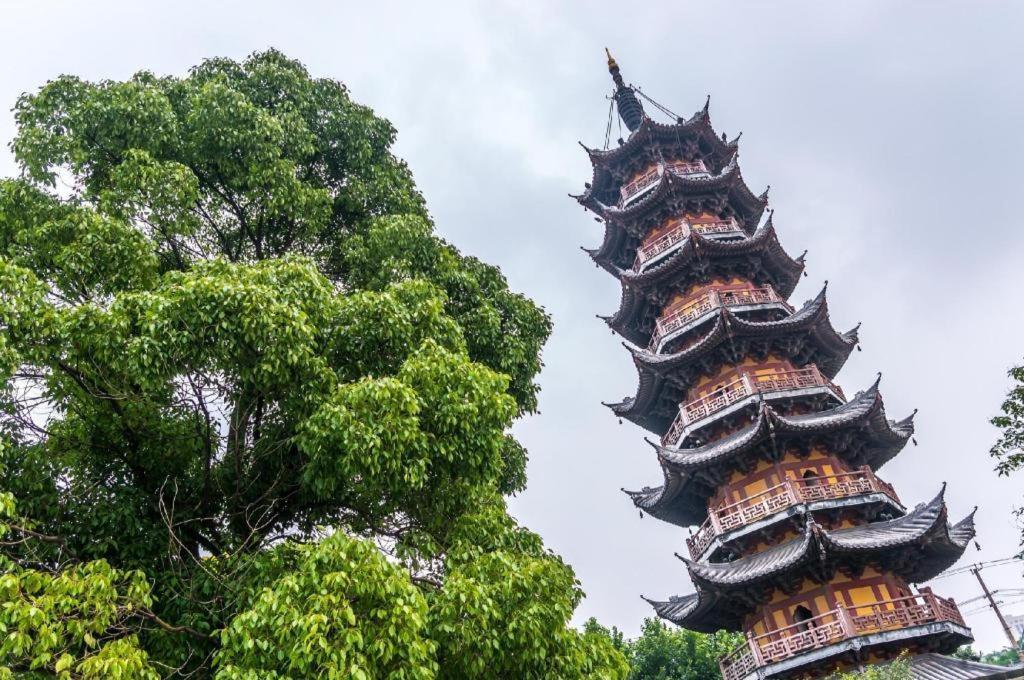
779	618
756	487
864	595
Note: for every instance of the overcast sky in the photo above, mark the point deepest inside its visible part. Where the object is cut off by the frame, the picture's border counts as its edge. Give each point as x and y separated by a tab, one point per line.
889	132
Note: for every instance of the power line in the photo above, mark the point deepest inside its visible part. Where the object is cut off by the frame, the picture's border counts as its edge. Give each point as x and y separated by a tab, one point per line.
999	591
982	607
980	565
985	607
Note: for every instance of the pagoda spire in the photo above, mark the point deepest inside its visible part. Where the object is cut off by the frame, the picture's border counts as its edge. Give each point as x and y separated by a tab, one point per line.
630	109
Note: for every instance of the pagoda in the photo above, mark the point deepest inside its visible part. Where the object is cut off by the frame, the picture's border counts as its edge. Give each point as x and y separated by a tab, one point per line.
799	544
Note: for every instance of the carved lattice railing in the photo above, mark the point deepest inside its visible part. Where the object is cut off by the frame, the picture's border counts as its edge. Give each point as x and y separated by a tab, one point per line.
835	625
678	233
729	516
638	185
713	299
743	386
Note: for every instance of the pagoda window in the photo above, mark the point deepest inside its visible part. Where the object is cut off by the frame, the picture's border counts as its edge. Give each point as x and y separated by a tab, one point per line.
811	477
803	617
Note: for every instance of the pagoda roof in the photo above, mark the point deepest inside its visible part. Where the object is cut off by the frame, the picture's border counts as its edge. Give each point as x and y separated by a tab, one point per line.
649	143
670	195
857	431
764	242
819	343
917	546
701	611
760	258
667	133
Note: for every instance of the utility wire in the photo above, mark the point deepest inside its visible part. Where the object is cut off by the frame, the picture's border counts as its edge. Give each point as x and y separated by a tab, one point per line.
661	108
979	565
608	129
986	607
1000	591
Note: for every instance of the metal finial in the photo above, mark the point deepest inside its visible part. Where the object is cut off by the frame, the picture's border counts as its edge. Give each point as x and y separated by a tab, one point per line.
630	109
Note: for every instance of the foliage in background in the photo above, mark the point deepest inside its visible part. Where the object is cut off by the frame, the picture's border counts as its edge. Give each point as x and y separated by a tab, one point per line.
967	653
255	411
899	669
1009	449
1001	657
662	652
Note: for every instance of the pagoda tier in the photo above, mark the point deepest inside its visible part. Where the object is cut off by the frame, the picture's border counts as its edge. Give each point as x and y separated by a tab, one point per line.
719	257
648	145
857	432
804	348
677	187
740	527
758	259
804	337
916	547
852	632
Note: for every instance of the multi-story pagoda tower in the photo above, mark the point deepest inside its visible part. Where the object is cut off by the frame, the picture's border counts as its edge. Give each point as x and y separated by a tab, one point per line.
799	544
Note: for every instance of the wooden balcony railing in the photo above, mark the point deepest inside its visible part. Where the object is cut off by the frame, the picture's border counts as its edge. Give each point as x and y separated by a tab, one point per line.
836	625
638	185
745	385
678	233
683	168
635	187
718	227
729	516
712	299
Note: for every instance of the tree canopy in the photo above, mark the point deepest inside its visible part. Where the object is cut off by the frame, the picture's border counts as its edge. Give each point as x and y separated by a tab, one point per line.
255	412
667	653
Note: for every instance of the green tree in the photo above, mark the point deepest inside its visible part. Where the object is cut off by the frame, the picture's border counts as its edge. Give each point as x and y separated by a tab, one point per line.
255	412
664	653
613	634
62	619
967	653
1003	657
1009	448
